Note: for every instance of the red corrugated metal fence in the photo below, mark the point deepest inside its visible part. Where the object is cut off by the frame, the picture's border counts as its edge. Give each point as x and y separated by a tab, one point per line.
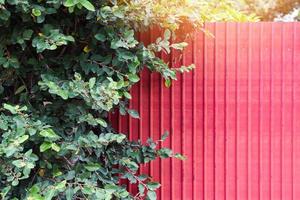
236	117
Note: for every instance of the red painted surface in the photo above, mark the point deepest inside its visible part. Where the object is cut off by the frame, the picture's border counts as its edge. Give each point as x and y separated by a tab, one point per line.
236	116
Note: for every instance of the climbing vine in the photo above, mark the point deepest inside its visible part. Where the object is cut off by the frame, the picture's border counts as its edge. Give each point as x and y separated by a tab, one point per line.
64	66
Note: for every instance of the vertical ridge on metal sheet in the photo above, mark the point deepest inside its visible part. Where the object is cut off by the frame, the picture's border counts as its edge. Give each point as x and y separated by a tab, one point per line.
276	104
166	177
183	128
287	112
254	111
265	111
172	127
249	60
209	134
236	116
220	111
242	111
187	122
281	113
231	34
198	116
296	113
177	128
292	111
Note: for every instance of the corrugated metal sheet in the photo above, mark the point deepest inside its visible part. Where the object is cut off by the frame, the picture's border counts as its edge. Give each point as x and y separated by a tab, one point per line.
236	117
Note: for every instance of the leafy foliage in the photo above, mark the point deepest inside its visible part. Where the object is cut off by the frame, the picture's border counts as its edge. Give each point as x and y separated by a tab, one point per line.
64	66
270	9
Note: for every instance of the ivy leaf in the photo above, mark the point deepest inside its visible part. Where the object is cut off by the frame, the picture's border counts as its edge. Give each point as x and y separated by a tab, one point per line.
87	5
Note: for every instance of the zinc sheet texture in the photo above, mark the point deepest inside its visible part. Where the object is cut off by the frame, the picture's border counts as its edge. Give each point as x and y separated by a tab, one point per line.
236	117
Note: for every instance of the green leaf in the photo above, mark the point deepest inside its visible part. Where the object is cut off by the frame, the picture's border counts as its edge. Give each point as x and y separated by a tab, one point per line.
92	82
45	146
69	193
167	34
179	46
127	95
179	156
92	167
55	147
27	34
50	193
22	139
168	82
36	12
4	191
165	136
110	188
15	182
153	185
70	3
151	195
10	108
133	78
20	89
141	189
87	190
165	153
49	133
1	89
101	37
87	5
101	122
133	113
19	163
61	185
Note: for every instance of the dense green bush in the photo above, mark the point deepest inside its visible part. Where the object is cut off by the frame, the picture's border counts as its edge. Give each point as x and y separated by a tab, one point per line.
64	65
